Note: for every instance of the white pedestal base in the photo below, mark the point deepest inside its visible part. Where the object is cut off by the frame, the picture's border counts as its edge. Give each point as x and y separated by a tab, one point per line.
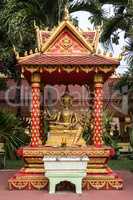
54	181
59	169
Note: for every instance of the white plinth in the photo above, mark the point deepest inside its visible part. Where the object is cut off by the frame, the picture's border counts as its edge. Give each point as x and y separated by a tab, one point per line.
58	169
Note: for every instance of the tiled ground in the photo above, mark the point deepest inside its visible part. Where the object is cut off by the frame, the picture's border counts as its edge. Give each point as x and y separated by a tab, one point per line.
125	194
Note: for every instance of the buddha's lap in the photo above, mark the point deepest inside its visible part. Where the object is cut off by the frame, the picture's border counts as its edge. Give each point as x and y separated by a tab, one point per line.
65	128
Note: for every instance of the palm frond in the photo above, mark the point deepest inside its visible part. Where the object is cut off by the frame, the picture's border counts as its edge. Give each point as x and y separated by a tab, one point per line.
11	132
93	7
129	51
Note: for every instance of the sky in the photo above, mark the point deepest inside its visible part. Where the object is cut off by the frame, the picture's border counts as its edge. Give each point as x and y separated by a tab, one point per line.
117	49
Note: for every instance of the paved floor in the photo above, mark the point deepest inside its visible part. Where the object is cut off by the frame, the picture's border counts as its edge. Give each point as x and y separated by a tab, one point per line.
125	194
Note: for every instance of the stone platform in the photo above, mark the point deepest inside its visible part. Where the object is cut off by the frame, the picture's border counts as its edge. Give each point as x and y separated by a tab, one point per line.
99	175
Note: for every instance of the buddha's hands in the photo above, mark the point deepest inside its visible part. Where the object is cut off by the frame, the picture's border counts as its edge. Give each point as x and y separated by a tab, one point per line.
69	126
48	115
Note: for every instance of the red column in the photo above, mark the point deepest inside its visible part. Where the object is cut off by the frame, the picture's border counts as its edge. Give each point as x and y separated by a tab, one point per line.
42	115
35	112
98	111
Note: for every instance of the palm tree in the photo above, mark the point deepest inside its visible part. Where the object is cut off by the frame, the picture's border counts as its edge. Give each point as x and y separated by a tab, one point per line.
17	29
121	19
18	18
94	7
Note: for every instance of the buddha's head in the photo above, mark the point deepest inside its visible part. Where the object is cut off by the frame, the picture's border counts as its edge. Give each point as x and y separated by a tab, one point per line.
66	99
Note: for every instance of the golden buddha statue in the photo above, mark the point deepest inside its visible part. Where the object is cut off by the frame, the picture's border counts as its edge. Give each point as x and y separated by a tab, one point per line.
65	126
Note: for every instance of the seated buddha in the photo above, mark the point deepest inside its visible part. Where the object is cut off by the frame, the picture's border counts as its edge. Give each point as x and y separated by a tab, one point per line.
65	125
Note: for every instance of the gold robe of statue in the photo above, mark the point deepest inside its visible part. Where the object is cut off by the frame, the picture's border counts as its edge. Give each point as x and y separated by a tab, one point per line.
65	126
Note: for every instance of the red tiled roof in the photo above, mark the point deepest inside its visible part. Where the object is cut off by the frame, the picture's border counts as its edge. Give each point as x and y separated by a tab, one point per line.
43	59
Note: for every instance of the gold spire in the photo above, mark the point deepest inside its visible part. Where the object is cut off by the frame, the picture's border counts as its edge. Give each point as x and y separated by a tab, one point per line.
66	14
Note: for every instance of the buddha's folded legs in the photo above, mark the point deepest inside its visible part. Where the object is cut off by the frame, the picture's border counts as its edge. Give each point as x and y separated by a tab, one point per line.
70	137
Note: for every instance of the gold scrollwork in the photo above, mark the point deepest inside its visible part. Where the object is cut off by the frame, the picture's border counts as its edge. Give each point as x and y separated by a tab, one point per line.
106	69
86	69
50	69
69	68
31	69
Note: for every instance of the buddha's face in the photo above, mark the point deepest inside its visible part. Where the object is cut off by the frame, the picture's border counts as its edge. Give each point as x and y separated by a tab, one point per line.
66	101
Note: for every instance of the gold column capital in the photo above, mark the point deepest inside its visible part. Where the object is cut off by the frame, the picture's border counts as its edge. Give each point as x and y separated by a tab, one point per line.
98	78
35	77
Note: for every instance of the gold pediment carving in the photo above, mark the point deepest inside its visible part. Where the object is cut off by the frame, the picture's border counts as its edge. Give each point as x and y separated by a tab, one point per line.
66	39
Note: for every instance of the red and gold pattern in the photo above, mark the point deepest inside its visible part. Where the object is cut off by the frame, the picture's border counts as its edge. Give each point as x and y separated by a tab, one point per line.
39	152
35	115
98	119
99	175
38	182
28	182
42	134
66	43
102	182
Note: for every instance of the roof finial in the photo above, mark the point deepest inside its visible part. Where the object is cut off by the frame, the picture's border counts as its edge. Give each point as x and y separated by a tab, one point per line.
35	26
15	52
66	13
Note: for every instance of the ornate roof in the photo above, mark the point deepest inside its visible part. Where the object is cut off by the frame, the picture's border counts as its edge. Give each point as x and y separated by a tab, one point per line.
44	35
67	44
67	37
64	52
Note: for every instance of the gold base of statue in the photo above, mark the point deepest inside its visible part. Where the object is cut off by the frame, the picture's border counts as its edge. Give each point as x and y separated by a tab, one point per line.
99	175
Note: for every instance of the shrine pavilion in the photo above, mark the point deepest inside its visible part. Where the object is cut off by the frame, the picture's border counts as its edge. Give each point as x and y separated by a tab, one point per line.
67	56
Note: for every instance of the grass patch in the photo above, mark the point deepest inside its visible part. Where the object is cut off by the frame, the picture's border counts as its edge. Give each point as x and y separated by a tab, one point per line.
123	164
14	164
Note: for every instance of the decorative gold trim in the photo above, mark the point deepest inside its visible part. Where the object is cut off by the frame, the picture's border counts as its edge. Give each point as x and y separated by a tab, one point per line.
98	78
31	69
87	69
50	69
66	14
38	38
96	39
28	56
35	78
72	28
94	182
91	152
69	68
106	69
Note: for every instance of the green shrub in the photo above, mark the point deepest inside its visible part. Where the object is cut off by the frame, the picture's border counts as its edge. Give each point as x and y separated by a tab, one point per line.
12	133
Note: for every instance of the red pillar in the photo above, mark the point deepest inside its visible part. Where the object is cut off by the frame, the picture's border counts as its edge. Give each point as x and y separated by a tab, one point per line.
98	111
35	112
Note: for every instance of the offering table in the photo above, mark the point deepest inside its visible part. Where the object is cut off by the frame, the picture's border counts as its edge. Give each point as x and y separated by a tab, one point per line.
71	169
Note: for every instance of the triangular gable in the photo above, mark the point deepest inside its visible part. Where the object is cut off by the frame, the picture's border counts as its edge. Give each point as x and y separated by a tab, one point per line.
66	40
